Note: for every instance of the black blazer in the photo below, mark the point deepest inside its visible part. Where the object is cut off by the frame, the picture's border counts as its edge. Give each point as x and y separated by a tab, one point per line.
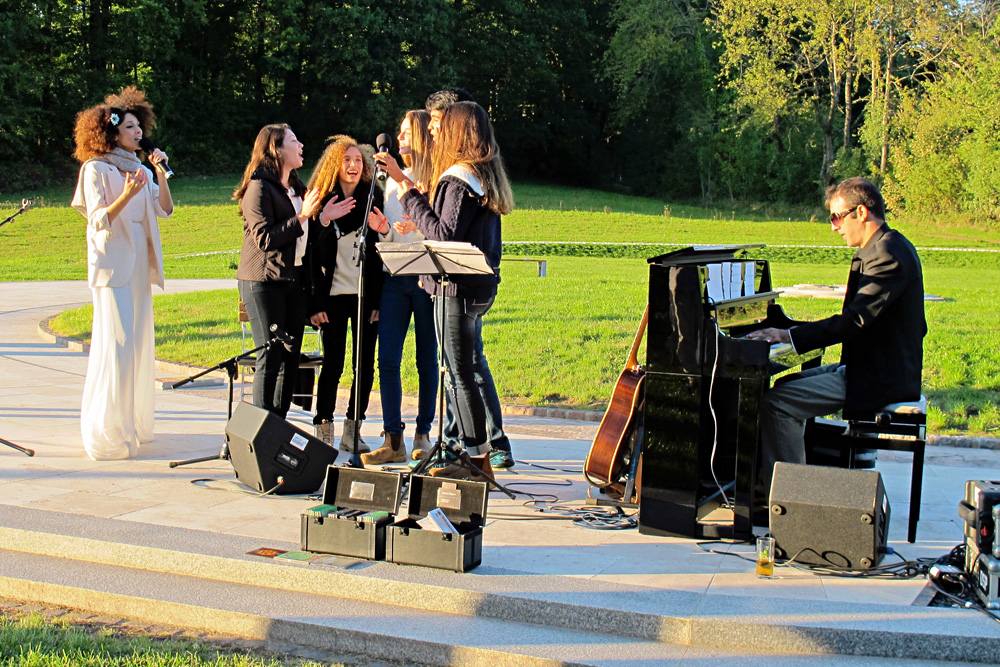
882	325
270	230
322	249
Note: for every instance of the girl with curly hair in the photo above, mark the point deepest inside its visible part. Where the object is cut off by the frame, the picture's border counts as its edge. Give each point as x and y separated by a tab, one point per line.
121	201
272	274
469	192
343	176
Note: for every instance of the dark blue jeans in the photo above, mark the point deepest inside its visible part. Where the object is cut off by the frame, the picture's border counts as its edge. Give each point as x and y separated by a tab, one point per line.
341	310
402	297
276	372
472	395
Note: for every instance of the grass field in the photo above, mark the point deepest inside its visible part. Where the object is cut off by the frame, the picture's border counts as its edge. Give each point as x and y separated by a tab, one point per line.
32	641
562	340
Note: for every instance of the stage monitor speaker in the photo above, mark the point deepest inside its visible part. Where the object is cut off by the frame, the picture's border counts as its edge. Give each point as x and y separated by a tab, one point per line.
264	447
829	516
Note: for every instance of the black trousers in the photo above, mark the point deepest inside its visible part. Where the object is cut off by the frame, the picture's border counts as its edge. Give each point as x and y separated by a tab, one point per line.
341	310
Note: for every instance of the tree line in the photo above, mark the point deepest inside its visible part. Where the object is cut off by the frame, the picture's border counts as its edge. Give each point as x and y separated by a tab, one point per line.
686	99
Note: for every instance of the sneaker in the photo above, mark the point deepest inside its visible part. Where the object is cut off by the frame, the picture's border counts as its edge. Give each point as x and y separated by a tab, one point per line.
501	459
324	431
352	430
387	453
446	457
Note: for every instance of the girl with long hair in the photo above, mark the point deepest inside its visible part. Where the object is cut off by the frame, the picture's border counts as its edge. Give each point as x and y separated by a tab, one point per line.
343	176
272	274
469	192
402	296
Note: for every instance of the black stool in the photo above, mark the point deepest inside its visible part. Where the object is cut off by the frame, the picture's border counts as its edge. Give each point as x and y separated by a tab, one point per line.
900	427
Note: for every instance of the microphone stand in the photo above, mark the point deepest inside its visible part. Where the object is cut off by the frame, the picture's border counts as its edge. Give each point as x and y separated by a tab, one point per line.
361	257
231	365
25	205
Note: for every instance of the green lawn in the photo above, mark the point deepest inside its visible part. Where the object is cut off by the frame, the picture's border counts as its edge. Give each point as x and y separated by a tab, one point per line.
562	340
33	642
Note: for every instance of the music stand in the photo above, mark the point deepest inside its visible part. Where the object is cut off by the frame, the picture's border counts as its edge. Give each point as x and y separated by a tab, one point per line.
441	258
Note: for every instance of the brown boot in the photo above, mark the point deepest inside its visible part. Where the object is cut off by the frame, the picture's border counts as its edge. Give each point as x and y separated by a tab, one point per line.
483	463
457	470
392	451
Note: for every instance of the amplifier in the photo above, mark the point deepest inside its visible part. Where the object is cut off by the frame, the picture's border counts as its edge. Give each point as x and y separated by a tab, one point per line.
829	516
985	580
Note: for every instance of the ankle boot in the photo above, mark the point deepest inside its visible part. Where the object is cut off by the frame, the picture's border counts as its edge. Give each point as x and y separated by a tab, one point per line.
392	451
421	446
352	430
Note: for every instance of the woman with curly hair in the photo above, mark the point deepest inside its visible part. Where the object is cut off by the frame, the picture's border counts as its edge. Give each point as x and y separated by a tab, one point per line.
121	201
402	296
343	177
272	275
469	191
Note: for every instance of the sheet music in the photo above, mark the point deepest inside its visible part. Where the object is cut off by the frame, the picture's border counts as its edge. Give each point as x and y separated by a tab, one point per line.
714	283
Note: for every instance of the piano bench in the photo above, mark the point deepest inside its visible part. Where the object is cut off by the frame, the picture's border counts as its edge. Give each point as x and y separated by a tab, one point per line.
900	427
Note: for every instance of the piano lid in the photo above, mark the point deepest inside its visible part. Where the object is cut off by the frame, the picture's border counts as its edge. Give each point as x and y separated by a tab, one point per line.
698	254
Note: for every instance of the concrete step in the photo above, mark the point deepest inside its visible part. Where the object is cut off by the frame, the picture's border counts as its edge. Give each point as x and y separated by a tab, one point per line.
207	581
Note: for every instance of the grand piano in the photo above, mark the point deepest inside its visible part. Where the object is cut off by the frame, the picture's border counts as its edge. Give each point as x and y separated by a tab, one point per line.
703	386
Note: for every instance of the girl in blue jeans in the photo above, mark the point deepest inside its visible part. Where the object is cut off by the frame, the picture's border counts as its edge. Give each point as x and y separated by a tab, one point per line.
402	296
469	191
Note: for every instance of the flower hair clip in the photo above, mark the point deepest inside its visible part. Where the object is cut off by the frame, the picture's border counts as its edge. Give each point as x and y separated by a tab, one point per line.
115	119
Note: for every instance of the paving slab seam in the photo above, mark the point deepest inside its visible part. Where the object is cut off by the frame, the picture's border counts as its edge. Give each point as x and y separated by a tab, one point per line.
270	630
696	631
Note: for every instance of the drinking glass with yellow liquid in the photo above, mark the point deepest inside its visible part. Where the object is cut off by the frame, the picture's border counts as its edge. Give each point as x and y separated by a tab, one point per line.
765	557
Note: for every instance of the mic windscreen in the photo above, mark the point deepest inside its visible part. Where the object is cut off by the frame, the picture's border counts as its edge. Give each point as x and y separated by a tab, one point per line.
384	142
147	144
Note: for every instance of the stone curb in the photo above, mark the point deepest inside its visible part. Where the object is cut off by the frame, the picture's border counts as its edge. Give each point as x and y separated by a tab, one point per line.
709	627
273	631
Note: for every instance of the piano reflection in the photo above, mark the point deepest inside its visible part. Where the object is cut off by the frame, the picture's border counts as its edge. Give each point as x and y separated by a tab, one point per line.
703	389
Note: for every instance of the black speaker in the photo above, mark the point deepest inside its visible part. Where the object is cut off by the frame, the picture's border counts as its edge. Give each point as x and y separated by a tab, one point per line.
829	516
265	447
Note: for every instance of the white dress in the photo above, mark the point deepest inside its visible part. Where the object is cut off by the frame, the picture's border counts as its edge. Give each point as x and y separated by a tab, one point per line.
117	407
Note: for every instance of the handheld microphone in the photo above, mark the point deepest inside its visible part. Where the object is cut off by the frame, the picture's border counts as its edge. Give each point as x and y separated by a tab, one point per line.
383	143
147	145
281	335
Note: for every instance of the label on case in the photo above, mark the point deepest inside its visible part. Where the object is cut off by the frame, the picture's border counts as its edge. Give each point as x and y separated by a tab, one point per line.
449	496
299	441
362	491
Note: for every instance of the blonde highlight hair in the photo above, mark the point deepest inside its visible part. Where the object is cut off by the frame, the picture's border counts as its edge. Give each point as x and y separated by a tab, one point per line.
327	171
466	138
421	145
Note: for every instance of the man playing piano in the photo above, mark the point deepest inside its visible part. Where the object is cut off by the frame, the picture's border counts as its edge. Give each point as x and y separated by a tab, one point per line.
881	327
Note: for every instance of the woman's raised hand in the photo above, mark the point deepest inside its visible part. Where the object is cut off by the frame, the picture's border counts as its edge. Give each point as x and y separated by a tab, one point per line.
335	209
390	165
405	226
310	203
134	183
378	221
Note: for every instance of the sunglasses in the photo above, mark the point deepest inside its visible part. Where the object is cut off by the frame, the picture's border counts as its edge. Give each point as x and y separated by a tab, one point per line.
837	218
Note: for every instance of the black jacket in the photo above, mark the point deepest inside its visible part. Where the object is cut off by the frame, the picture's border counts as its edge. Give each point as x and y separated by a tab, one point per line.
459	214
270	229
322	249
881	326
